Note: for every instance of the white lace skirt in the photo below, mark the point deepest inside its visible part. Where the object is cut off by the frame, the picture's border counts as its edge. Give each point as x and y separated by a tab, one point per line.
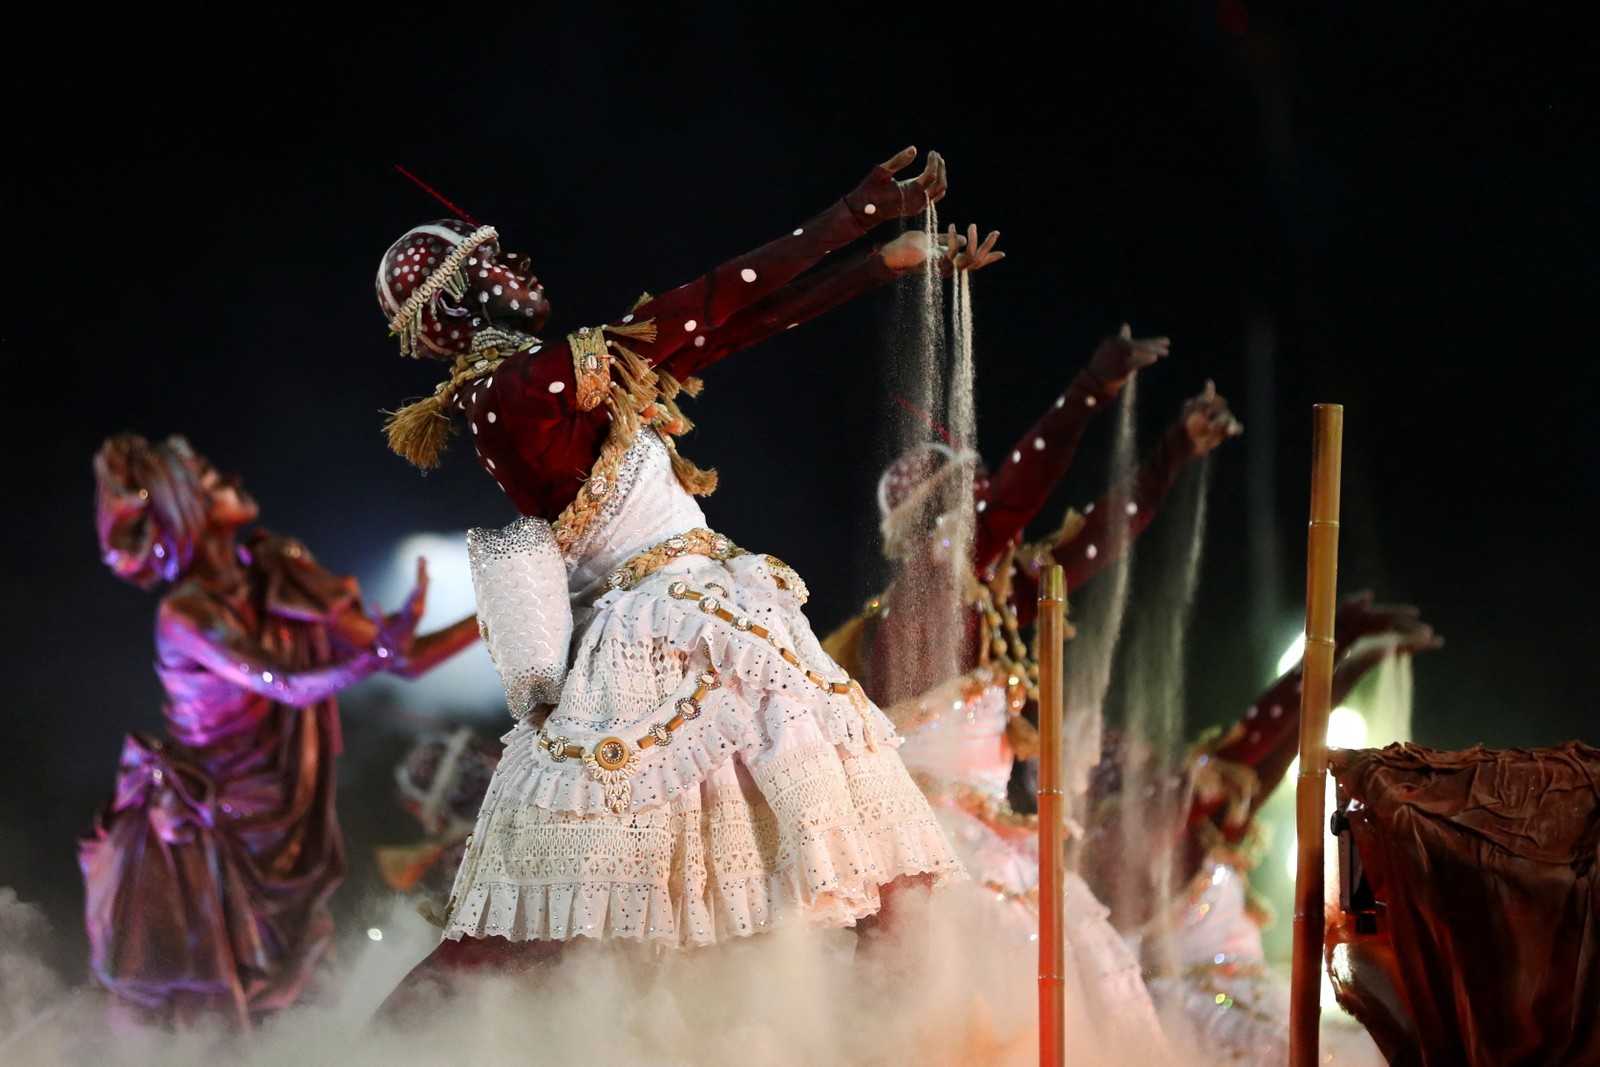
777	799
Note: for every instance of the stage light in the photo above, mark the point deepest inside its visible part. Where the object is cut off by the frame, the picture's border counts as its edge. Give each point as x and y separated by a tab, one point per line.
1347	728
1292	654
374	933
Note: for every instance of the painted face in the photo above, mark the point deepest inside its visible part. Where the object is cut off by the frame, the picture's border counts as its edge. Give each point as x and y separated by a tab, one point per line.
467	284
230	505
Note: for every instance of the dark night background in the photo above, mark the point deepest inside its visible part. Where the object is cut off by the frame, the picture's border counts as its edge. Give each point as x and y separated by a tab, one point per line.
1386	206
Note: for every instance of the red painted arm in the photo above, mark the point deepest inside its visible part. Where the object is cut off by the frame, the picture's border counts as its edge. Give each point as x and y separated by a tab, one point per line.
800	301
705	305
1267	738
1038	462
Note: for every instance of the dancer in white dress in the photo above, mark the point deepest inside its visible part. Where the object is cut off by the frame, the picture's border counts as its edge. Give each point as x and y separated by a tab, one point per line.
688	766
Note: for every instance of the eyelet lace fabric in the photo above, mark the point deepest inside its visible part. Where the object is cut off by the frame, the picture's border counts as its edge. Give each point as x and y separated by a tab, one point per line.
810	834
776	800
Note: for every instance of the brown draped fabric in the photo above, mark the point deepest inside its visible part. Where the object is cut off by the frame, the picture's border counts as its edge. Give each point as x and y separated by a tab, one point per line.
1482	866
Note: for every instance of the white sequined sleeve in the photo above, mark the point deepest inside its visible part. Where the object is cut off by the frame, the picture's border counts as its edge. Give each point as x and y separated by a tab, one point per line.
524	615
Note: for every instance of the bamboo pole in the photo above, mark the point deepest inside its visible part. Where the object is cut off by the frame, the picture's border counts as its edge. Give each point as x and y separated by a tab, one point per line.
1322	576
1052	833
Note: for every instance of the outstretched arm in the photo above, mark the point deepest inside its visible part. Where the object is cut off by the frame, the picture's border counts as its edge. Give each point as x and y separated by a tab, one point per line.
1267	739
686	317
807	297
1112	522
191	627
1025	480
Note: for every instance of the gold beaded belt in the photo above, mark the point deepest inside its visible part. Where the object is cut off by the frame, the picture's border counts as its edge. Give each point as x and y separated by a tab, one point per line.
612	760
697	542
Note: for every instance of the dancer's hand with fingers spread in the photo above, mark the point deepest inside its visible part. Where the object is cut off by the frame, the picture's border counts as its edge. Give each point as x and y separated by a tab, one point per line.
1207	420
912	249
884	197
1121	357
397	632
965	253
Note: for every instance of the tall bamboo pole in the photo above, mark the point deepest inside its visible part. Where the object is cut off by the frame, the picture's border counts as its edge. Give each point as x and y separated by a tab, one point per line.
1052	832
1316	692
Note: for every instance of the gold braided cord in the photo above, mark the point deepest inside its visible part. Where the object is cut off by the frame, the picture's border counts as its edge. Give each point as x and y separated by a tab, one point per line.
638	395
419	430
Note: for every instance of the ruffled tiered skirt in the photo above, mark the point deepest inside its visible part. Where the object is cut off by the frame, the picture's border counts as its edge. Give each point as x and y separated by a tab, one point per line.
760	794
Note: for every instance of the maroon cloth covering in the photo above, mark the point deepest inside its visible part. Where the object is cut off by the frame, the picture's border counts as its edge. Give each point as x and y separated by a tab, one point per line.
1483	864
207	876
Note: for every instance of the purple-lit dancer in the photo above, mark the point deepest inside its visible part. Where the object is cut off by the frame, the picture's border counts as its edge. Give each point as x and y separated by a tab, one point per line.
208	874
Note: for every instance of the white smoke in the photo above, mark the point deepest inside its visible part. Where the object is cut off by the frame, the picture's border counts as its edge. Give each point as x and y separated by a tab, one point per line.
957	988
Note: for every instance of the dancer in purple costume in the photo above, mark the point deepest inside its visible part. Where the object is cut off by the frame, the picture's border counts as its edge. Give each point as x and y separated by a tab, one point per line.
208	874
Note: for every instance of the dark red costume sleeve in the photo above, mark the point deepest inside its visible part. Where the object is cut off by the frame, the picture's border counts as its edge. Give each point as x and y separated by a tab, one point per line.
1025	480
1267	738
801	300
1097	542
539	446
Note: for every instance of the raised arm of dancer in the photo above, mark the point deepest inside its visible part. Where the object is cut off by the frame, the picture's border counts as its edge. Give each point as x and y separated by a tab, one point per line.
809	296
1025	480
686	317
1098	539
1204	423
1267	739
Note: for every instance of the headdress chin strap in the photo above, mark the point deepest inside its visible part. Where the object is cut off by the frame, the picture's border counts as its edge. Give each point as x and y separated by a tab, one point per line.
449	277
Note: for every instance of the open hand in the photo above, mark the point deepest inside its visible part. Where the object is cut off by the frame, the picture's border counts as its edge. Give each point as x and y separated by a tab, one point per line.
1400	624
912	249
1120	357
397	632
965	253
882	196
1207	420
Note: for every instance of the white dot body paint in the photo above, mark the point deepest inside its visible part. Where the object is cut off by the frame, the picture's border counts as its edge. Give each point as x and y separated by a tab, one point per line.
688	327
1038	444
1016	456
1092	551
556	387
748	275
1088	401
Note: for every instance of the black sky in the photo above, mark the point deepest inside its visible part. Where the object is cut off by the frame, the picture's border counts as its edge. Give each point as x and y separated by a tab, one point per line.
1398	202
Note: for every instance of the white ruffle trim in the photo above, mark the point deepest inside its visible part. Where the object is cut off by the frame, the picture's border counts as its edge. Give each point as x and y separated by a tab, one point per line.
641	651
813	834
